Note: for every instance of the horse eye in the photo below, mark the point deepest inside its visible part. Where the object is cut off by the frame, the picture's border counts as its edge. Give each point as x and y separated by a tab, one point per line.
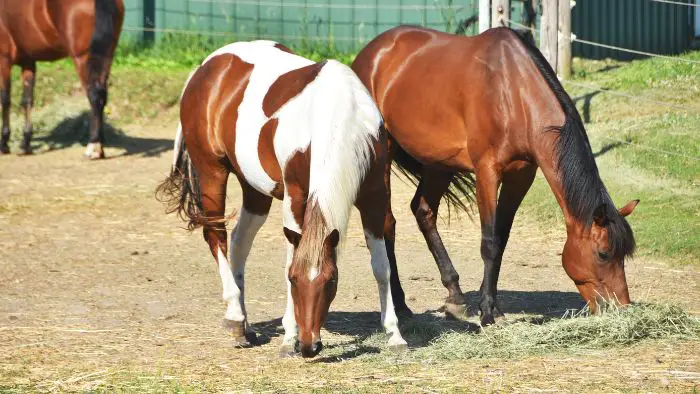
603	255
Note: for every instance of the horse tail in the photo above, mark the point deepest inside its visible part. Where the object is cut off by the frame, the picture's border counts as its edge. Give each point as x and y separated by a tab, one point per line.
461	193
105	36
180	191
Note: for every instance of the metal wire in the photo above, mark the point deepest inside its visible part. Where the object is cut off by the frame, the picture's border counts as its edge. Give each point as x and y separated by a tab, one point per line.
631	96
573	38
239	35
676	2
653	149
409	7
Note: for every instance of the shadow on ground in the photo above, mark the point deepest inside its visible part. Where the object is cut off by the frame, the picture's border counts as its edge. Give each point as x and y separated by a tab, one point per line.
74	130
421	329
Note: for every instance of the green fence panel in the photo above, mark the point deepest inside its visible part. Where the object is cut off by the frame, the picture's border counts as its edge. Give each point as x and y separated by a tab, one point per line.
349	24
647	26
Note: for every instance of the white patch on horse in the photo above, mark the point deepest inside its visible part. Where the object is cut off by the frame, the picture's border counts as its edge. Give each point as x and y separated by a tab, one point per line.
382	271
269	64
231	292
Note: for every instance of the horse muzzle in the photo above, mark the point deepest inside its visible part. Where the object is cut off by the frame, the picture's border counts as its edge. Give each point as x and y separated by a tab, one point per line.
311	349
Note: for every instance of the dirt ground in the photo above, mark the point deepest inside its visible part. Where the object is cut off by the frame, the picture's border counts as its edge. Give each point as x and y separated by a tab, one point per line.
99	288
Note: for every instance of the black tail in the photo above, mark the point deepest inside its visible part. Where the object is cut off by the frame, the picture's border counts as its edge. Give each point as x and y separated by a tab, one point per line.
180	191
105	36
462	189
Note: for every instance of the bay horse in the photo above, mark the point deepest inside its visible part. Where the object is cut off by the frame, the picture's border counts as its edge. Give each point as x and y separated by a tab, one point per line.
306	133
45	30
469	115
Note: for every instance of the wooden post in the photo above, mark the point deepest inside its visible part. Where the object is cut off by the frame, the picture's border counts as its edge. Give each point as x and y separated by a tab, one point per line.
500	13
484	15
149	20
564	53
549	31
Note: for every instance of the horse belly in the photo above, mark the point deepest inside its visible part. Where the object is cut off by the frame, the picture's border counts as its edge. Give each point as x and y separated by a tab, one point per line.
33	33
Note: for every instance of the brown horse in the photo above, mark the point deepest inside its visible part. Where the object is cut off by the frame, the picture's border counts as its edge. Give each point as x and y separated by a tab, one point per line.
39	30
306	133
491	105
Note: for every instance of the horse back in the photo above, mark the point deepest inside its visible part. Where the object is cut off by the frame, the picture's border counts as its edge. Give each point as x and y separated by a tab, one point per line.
231	110
451	100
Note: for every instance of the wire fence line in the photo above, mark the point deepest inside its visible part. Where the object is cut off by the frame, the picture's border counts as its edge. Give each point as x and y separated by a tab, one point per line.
652	149
346	6
631	96
676	3
241	35
573	38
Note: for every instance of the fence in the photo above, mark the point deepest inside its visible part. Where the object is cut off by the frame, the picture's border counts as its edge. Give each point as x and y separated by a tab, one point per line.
642	25
350	24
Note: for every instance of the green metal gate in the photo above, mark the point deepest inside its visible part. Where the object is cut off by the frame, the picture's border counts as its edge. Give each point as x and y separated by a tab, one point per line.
349	24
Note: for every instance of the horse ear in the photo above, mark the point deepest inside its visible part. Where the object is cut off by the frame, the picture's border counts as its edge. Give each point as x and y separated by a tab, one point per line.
600	215
333	239
292	236
627	209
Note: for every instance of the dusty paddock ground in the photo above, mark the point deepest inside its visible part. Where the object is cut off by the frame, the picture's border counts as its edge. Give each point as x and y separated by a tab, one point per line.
100	290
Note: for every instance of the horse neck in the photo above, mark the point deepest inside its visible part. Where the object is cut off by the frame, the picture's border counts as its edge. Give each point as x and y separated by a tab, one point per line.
575	182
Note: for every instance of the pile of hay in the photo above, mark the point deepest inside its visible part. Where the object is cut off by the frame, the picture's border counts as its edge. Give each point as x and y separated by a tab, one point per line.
573	333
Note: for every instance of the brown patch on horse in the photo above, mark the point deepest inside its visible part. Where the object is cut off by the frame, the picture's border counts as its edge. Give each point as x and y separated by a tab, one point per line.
223	99
266	150
296	179
288	86
283	48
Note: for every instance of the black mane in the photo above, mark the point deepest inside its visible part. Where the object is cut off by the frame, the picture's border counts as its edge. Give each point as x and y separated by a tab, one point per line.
583	189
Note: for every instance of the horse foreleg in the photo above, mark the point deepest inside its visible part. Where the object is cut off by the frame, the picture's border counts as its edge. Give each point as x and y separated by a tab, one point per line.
289	322
95	84
5	68
371	209
487	182
28	77
425	206
496	231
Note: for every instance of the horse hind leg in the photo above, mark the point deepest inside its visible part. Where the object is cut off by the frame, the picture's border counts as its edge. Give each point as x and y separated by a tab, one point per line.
5	85
28	77
252	216
212	184
94	82
425	206
397	293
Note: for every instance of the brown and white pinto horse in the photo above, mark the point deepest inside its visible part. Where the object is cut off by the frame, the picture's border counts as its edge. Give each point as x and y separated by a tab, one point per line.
492	106
306	133
39	30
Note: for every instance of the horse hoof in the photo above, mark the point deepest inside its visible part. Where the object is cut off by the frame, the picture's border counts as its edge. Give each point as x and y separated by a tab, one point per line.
399	348
94	151
241	343
287	351
457	311
4	149
26	152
